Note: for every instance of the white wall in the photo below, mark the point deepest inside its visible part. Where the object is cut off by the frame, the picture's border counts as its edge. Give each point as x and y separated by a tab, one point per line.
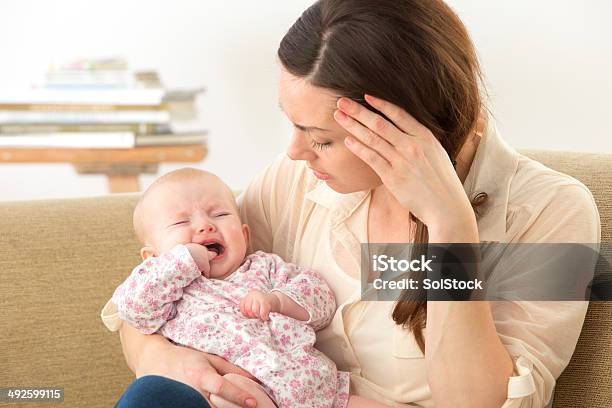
548	64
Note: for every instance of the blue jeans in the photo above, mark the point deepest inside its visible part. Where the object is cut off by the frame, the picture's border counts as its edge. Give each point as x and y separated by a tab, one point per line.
153	391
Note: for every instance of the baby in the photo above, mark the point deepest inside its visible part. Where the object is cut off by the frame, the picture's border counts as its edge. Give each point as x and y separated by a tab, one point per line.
198	287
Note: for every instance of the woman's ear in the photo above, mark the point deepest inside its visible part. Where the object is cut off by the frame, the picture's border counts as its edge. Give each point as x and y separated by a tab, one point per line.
146	252
246	231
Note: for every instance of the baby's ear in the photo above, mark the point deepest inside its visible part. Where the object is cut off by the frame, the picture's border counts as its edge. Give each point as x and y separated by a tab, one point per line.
246	231
146	252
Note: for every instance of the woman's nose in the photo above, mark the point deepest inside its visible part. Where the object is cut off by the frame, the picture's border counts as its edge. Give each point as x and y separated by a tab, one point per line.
299	149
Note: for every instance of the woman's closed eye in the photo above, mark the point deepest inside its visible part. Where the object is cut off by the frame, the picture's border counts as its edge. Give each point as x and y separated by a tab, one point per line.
320	145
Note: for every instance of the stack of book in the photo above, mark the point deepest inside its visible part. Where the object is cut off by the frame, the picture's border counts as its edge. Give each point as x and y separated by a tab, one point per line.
99	104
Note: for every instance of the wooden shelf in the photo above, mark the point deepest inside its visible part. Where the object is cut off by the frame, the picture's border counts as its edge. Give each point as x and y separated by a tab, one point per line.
149	154
120	166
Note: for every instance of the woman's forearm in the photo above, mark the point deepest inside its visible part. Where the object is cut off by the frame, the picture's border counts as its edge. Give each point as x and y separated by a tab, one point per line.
134	343
356	401
467	364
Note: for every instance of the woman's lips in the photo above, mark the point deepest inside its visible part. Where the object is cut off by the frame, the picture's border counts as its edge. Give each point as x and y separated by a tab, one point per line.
319	175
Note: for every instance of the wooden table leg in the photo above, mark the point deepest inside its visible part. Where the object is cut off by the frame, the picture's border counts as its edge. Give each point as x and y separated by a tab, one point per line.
118	183
122	177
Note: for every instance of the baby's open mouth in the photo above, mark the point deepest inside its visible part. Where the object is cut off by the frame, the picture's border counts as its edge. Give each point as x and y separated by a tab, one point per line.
215	247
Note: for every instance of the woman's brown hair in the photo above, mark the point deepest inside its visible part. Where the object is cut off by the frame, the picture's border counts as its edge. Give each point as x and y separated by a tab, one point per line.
416	54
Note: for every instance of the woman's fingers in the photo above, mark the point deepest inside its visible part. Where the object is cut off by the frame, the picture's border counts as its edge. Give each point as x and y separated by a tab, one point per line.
225	367
252	387
217	385
380	165
366	136
404	121
221	403
367	123
373	150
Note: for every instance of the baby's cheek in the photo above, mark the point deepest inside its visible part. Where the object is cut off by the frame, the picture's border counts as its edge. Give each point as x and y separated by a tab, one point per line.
235	232
173	239
238	240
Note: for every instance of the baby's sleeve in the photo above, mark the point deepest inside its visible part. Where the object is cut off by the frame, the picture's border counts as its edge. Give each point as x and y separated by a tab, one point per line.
146	299
305	287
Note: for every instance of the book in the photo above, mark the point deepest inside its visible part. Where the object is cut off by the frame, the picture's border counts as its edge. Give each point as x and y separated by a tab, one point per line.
182	95
84	96
94	73
72	140
98	140
171	139
99	103
89	79
80	107
91	64
178	102
93	117
135	128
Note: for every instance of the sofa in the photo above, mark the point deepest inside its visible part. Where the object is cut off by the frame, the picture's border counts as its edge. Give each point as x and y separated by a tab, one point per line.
60	260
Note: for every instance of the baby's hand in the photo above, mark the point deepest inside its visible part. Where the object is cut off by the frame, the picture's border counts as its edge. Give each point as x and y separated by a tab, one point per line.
201	256
258	305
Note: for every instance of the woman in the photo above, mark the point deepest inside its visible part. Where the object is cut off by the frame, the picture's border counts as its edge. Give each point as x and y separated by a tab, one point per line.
392	143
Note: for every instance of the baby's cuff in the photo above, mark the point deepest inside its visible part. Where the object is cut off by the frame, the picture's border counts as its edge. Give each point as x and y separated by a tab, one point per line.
182	254
110	316
297	299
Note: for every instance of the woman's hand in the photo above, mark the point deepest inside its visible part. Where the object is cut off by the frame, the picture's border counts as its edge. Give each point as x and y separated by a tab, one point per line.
411	163
199	370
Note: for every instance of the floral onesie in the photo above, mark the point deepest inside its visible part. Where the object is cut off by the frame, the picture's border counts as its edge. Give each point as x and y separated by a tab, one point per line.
169	295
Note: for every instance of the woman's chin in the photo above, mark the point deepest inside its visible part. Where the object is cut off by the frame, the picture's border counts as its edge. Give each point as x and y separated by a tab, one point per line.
346	189
340	189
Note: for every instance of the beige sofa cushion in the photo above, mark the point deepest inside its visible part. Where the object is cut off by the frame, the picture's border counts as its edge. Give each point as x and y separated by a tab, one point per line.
60	261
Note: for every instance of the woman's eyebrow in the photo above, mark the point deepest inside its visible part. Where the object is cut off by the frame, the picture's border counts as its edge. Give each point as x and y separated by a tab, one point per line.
303	127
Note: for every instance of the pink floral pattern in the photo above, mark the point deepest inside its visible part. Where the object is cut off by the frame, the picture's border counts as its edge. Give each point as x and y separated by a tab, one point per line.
169	295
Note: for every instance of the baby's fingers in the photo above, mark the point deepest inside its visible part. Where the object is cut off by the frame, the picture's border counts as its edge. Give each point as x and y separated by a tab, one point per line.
241	306
245	306
265	311
256	309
